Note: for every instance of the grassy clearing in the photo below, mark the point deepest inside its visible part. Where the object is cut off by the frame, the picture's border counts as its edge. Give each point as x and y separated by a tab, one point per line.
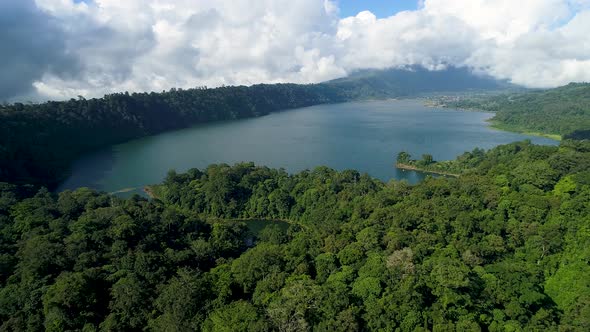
521	130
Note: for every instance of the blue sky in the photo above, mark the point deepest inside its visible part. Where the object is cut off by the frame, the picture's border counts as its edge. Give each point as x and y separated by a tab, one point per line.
381	8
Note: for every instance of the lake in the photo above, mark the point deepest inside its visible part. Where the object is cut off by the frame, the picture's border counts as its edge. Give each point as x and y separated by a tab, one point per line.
365	136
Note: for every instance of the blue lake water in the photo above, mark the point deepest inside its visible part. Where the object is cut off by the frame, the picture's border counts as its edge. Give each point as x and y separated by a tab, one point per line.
365	136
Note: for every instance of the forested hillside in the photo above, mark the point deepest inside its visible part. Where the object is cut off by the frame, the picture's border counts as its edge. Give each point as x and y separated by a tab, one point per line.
502	248
39	141
562	111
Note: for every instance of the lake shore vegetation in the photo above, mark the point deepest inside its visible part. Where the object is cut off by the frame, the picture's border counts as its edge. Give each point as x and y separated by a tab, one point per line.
558	113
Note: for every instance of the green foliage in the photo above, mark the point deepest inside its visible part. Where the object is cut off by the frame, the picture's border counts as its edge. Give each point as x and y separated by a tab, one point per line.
403	157
426	160
503	247
70	302
238	316
562	111
465	163
182	303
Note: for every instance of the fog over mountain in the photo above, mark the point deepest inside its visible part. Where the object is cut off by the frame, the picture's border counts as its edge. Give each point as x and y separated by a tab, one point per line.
59	49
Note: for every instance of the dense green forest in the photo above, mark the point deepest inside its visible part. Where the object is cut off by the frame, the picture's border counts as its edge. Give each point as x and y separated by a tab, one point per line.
503	247
563	111
39	141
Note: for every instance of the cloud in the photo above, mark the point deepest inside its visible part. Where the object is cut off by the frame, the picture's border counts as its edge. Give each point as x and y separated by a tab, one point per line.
153	45
542	57
408	38
63	48
539	44
32	45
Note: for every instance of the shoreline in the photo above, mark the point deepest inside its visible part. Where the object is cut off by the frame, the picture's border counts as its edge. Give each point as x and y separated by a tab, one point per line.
495	124
148	190
503	127
433	104
123	191
407	167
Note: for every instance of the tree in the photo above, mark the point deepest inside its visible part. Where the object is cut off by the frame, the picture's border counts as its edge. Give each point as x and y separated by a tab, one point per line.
427	159
127	307
255	264
403	157
71	302
238	316
182	304
294	309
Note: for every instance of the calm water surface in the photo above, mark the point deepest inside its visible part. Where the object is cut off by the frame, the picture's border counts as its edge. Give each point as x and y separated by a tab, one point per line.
363	135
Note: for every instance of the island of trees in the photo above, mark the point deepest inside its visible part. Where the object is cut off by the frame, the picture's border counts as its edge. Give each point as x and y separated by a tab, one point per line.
503	247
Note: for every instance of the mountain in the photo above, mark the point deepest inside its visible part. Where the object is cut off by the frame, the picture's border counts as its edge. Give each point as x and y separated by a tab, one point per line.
414	80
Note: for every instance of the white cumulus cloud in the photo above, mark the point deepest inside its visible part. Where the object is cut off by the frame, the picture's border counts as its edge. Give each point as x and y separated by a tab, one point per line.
101	46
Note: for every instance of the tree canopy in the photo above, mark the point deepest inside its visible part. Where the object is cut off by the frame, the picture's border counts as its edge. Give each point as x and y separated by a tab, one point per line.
502	247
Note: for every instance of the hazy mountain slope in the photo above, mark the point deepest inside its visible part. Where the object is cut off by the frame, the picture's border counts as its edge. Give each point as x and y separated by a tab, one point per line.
414	80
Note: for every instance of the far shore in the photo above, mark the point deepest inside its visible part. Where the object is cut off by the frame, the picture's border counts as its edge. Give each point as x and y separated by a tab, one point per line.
495	124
